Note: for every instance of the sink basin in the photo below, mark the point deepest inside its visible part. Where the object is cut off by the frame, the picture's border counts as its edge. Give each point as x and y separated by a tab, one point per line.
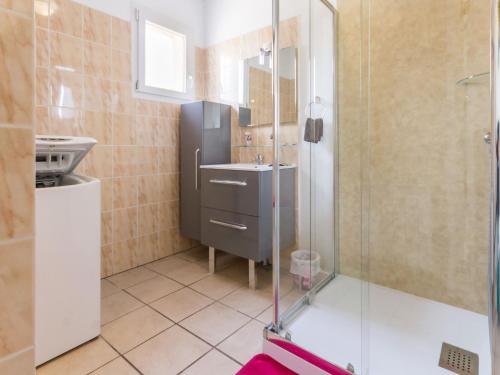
245	167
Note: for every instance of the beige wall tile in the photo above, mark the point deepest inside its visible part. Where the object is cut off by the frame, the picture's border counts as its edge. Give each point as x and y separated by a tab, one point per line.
98	162
66	17
106	260
125	224
124	255
124	161
120	34
42	47
97	60
146	130
147	248
121	66
125	192
16	286
16	69
121	98
42	87
96	26
149	189
124	130
65	52
106	228
23	6
97	125
66	89
42	13
65	121
147	160
42	120
16	192
148	219
106	194
98	94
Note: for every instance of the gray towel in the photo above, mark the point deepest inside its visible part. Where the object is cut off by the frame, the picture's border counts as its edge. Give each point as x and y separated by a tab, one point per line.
314	130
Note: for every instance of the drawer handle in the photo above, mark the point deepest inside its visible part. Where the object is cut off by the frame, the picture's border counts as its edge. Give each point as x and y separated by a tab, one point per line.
228	182
229	225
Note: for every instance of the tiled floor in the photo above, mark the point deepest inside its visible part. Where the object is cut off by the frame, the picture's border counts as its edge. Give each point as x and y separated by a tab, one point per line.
171	316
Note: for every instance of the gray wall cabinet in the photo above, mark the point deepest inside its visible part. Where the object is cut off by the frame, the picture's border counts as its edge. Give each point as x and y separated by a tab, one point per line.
205	138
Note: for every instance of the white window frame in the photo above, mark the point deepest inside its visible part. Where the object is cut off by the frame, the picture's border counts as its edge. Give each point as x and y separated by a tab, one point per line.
141	16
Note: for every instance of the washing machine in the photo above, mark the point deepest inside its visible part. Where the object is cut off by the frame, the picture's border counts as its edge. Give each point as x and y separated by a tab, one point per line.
67	248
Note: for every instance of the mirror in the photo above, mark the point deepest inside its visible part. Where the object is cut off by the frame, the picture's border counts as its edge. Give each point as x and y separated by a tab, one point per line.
256	99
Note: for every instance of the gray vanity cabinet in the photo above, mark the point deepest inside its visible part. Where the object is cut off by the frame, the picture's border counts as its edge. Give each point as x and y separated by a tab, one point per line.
237	211
205	138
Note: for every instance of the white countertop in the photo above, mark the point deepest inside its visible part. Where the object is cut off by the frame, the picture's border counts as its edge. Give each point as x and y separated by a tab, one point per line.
245	167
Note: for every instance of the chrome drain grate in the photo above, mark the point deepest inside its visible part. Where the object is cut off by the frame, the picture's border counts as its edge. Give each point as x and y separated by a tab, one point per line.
458	360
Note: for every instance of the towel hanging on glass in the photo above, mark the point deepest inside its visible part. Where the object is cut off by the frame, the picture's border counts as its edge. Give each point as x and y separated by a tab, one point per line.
314	124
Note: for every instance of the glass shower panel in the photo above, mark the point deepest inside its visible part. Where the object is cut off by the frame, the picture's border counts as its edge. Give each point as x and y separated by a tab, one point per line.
321	298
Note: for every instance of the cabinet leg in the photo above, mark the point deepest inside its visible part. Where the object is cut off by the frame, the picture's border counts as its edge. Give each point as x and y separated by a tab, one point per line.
252	276
211	259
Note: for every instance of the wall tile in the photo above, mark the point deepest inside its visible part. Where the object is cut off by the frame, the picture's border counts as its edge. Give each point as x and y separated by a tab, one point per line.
65	52
42	13
147	160
148	219
22	6
121	98
124	130
124	161
121	66
97	125
66	89
66	17
98	162
125	192
149	189
125	224
97	60
16	286
124	255
106	260
42	87
42	47
147	248
16	70
16	192
106	228
96	26
106	194
42	120
97	94
120	34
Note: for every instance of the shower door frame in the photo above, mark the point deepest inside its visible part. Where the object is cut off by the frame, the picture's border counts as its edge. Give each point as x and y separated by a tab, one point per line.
279	320
494	282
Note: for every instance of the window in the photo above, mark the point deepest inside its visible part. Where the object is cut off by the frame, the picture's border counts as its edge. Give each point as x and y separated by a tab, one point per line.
161	62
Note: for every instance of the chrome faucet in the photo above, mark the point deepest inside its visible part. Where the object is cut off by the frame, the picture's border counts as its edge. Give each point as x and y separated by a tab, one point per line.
259	159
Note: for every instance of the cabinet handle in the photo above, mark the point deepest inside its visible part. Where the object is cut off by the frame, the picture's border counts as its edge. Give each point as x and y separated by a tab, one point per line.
196	169
228	182
229	225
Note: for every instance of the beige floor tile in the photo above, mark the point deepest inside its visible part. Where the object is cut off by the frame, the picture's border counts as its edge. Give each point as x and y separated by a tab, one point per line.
116	367
248	301
213	363
153	289
117	305
164	266
108	289
82	360
131	277
288	300
214	323
245	343
133	329
217	286
189	273
179	305
168	353
196	254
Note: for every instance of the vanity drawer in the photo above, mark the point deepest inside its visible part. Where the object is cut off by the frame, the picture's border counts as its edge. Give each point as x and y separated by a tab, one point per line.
236	191
231	232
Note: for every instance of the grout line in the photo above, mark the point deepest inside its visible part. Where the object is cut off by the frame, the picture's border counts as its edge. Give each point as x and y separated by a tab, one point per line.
17	126
15	354
16	13
15	240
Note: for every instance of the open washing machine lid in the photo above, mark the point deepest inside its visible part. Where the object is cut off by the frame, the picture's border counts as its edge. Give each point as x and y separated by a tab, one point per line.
57	156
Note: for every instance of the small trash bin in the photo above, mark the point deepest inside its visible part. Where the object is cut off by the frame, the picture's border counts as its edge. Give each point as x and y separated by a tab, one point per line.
305	267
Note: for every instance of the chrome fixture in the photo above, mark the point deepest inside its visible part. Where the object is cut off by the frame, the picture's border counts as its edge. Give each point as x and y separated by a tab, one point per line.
259	159
493	280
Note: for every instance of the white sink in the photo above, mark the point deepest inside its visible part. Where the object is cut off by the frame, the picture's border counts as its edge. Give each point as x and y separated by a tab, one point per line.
245	167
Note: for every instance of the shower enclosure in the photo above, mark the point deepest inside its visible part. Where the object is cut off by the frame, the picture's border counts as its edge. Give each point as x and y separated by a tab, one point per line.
393	185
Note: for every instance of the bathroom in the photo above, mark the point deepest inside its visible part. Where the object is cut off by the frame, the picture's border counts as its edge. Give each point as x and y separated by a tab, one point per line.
176	198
